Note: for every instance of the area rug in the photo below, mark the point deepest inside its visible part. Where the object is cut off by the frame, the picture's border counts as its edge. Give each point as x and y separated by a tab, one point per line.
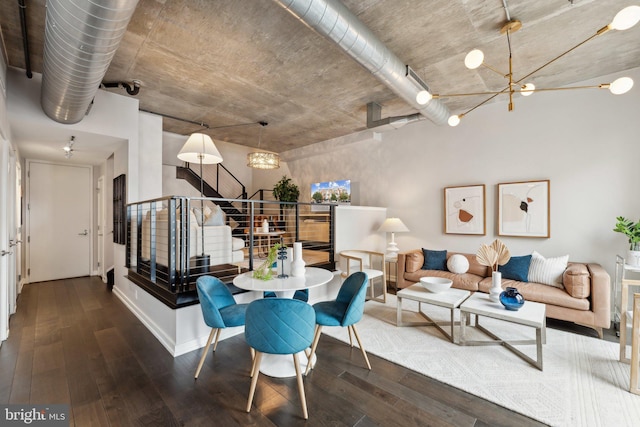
583	383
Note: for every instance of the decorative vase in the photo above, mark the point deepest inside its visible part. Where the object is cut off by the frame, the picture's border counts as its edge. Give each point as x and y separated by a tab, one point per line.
633	255
265	226
496	286
511	299
297	265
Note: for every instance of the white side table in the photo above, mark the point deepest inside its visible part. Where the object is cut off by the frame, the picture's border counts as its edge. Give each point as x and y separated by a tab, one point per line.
621	301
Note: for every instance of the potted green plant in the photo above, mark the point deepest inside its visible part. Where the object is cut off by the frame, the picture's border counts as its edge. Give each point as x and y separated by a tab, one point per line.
285	190
632	231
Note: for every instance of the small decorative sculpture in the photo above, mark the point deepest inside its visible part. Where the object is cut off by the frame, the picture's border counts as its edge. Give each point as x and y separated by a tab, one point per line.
282	255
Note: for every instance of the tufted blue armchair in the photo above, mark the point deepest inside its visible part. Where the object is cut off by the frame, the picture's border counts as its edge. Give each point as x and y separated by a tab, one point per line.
346	310
219	310
279	326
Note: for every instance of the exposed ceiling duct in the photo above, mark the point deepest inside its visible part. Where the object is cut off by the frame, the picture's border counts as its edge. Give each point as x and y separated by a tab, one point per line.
81	38
334	21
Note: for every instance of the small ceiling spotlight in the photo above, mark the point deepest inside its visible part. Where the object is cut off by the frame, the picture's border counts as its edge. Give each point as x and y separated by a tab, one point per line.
68	149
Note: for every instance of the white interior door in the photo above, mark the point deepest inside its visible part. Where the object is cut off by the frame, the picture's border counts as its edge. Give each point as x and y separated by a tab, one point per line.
5	250
101	229
59	221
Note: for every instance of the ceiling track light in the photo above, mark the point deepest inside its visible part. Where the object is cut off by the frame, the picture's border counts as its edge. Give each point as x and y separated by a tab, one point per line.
68	149
624	19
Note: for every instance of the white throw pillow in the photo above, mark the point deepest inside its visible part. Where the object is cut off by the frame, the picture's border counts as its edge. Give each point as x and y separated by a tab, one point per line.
213	216
458	264
547	271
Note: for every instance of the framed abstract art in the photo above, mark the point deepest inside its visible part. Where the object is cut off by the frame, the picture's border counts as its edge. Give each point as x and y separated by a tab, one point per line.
465	210
523	209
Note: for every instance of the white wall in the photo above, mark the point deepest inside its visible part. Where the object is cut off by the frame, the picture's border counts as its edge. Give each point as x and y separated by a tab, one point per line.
585	142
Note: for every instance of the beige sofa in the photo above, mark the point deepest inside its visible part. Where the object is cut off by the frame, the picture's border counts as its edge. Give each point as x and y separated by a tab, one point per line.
585	299
219	244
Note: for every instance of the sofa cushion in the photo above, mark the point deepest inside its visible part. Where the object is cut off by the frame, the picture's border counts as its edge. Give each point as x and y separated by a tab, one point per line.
547	271
576	280
517	268
213	216
538	292
414	261
458	263
434	260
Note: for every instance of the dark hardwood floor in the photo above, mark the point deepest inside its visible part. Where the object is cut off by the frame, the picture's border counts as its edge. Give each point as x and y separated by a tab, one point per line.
74	342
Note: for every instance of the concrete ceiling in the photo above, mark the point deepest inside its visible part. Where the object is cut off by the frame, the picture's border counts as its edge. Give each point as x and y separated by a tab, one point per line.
229	62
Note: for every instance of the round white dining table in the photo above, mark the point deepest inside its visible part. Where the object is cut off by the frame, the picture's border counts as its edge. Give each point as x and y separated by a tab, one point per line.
284	287
281	365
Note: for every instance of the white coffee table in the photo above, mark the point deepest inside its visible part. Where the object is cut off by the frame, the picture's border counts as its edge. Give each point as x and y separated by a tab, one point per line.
450	299
531	314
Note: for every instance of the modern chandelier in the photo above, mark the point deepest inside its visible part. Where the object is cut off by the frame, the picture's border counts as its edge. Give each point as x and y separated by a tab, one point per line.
625	19
263	159
68	149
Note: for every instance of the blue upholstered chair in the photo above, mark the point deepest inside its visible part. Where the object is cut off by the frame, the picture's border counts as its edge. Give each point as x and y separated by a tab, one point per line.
346	310
301	294
279	326
219	310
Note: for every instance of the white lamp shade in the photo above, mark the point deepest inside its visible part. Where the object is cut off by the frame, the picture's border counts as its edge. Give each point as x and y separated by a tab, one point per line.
454	120
393	225
423	97
626	18
474	59
528	89
621	85
200	148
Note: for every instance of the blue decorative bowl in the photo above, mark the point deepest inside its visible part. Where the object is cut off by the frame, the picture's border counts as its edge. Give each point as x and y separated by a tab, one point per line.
511	299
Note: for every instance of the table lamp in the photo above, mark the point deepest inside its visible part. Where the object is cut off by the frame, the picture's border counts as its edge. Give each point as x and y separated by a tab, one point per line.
393	225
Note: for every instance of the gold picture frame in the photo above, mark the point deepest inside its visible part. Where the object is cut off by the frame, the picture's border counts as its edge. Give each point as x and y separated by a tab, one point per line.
465	210
524	209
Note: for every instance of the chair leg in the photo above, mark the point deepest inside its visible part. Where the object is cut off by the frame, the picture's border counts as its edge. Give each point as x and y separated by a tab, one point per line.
364	353
350	336
215	345
316	338
254	380
204	352
303	399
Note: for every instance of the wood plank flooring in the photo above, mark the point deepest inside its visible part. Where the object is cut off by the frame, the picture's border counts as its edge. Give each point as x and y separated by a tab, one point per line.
72	341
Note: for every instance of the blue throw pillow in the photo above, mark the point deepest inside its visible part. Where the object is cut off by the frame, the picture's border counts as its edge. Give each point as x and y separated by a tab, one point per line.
434	260
517	268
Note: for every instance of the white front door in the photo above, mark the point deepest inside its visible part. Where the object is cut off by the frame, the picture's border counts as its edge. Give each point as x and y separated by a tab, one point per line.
59	221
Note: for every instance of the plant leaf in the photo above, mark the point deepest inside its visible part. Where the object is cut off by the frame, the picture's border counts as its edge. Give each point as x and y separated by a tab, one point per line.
487	256
503	252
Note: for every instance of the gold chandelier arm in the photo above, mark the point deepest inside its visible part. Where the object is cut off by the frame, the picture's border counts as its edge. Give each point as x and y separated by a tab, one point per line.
494	70
601	31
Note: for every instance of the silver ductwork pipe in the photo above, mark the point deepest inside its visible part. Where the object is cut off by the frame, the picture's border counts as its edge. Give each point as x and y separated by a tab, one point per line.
81	37
334	21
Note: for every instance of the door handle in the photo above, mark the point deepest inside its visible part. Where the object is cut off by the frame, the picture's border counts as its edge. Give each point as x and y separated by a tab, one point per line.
3	253
84	233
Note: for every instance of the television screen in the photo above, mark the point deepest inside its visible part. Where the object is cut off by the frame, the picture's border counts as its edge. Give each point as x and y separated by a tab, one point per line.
324	193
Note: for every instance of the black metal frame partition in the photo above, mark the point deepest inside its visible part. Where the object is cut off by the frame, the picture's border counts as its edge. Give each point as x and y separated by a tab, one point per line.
177	275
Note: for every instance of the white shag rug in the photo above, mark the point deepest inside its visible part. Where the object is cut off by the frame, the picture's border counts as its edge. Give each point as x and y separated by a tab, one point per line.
583	383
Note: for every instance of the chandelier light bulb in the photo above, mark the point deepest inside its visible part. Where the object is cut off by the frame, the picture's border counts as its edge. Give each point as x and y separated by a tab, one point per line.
527	89
454	120
626	18
474	59
423	97
621	85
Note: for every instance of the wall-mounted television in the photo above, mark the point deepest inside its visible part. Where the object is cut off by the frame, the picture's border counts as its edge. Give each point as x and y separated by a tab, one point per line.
330	192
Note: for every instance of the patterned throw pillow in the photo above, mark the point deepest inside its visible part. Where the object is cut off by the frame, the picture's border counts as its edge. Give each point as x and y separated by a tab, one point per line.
547	271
